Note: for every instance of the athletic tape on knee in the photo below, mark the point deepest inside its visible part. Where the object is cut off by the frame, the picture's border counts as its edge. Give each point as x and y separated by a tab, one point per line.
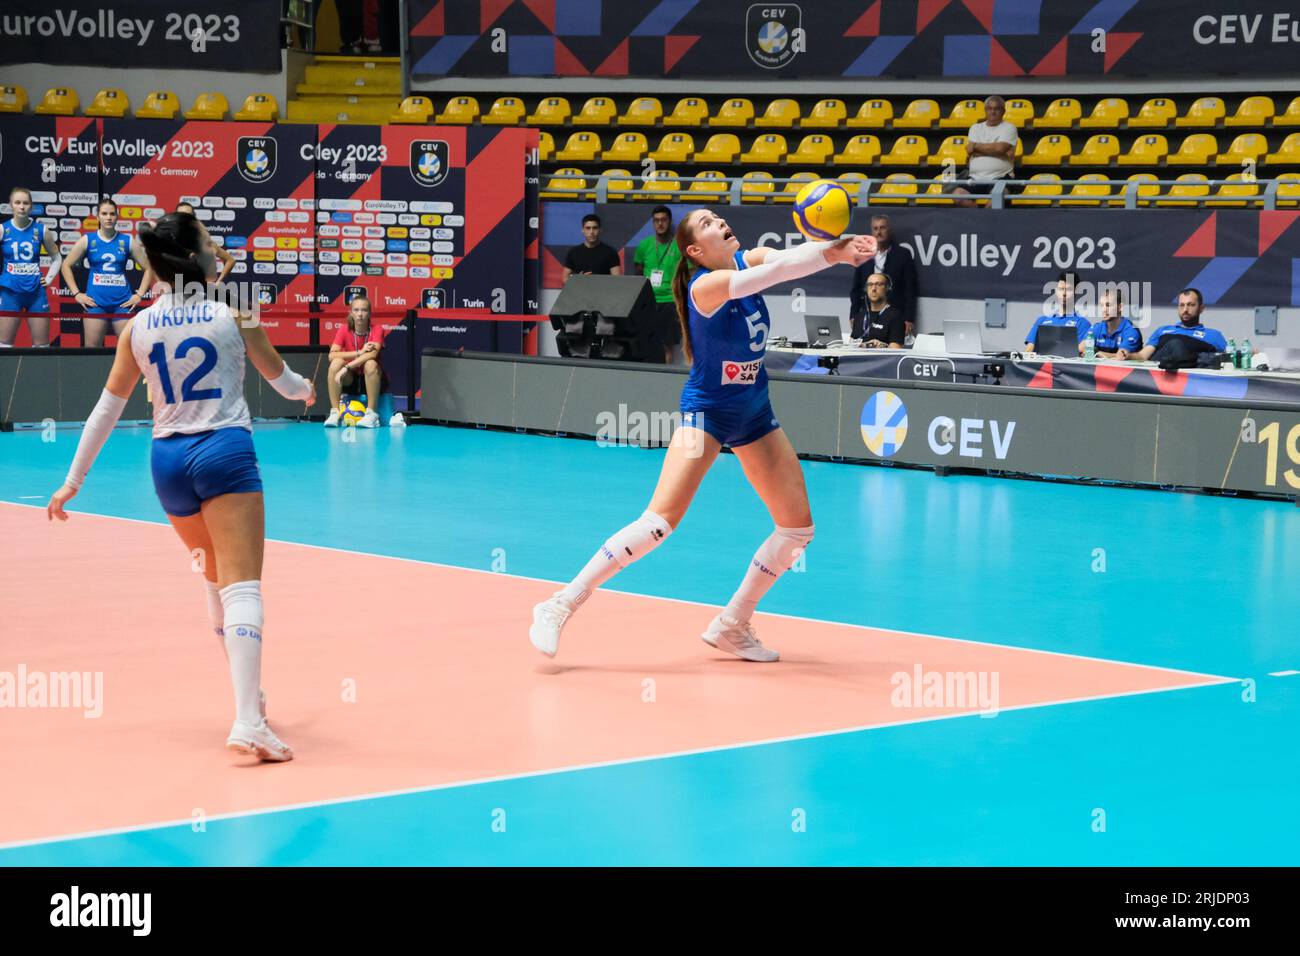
242	603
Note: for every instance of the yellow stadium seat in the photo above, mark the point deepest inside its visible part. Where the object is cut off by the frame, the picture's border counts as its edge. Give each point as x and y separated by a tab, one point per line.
689	111
160	104
936	193
1207	111
1247	147
581	147
642	111
767	150
258	108
1061	114
597	111
757	186
1145	193
952	149
13	99
109	103
1109	113
920	114
1089	191
781	114
797	182
1239	190
413	110
674	148
964	115
59	101
1288	191
460	111
627	147
620	183
709	181
852	182
562	184
861	150
872	114
1099	150
815	149
827	114
1292	115
666	184
735	112
721	148
1036	191
1019	113
1288	154
1198	149
1052	150
1155	113
208	106
552	111
1253	111
545	145
895	185
505	111
1185	191
906	151
1146	150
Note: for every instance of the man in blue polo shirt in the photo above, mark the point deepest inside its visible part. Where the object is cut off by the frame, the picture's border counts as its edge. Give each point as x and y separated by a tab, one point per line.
1190	306
1115	337
1065	312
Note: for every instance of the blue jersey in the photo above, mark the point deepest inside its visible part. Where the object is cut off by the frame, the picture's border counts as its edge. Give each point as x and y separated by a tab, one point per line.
106	259
20	251
1126	337
727	352
1079	323
1198	331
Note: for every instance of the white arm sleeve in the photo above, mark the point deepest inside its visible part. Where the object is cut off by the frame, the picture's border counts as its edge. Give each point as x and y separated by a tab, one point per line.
291	385
781	266
101	421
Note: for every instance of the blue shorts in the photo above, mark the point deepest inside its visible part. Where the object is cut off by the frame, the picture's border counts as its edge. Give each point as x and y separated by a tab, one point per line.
734	426
11	301
190	469
109	310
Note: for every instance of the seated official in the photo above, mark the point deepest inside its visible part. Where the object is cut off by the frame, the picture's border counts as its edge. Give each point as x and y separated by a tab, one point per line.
1065	314
882	325
1190	306
354	357
1114	337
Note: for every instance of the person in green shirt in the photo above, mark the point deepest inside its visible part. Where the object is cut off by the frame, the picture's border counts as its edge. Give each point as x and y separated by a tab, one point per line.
656	258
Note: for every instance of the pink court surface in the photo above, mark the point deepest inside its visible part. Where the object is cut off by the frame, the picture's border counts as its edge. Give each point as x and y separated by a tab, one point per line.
439	688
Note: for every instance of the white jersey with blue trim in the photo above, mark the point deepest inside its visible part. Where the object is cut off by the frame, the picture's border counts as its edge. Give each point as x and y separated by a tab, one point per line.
192	356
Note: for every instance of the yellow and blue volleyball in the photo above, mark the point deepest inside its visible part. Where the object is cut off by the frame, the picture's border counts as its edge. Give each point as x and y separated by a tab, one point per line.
821	209
354	412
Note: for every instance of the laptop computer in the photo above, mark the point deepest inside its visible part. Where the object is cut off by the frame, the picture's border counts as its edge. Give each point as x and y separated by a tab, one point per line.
1057	340
823	330
963	337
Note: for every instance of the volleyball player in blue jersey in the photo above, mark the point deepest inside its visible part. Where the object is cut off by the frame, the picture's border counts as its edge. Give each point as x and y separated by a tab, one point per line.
192	353
21	286
107	292
725	326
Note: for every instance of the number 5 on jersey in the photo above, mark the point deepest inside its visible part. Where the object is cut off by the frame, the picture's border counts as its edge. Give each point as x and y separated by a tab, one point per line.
758	328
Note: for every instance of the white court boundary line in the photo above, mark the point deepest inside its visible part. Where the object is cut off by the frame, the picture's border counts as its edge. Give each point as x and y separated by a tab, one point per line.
1209	680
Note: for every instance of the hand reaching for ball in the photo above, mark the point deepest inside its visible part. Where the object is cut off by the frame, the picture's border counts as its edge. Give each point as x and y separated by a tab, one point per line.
852	250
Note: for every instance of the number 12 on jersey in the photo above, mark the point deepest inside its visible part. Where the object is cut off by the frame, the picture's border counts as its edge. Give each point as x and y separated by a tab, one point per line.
189	391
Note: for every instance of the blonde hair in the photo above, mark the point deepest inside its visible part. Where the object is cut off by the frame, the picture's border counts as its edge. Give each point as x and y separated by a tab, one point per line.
682	283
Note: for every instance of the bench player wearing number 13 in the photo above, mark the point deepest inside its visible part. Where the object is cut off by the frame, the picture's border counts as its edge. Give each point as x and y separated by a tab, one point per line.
724	331
205	471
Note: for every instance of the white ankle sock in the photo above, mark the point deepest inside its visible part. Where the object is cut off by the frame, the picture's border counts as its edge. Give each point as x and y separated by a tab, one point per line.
772	559
625	546
242	603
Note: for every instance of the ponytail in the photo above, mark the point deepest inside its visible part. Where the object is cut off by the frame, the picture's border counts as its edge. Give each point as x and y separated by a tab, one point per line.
682	289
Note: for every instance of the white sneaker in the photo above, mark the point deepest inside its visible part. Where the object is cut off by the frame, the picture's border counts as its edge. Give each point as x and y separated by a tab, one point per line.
260	740
727	634
549	618
332	420
369	420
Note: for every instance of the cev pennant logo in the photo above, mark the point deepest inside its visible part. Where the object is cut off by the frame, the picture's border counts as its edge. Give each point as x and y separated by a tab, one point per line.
430	161
769	33
256	161
884	424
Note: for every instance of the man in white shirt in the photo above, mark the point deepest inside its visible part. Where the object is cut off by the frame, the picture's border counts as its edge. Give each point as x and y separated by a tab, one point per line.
990	150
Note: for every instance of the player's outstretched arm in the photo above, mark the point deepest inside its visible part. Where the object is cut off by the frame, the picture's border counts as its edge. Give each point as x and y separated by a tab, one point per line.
771	267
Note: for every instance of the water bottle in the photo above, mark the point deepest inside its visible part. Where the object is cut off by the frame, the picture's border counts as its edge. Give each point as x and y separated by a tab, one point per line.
1090	347
1235	353
1247	359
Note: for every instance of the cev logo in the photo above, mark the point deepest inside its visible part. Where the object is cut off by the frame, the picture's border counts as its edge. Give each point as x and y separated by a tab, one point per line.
884	424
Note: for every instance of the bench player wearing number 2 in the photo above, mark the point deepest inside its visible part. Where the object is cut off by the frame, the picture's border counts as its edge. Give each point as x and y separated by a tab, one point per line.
205	471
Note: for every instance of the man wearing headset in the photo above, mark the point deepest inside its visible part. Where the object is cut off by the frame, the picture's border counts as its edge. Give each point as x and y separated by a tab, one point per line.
896	262
881	325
